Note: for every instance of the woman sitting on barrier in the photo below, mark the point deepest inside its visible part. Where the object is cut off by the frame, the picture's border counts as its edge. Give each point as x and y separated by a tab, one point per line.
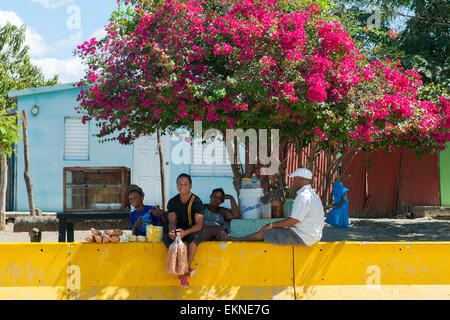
143	214
215	217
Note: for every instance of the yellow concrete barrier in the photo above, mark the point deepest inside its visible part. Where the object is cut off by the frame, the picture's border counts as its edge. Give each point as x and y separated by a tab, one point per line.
227	270
373	270
224	271
34	271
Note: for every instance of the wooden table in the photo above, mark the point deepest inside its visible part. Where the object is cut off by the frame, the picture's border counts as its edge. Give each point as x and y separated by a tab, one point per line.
66	220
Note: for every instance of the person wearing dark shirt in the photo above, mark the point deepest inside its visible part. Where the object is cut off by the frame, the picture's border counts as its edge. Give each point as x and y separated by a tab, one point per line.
185	214
215	216
141	216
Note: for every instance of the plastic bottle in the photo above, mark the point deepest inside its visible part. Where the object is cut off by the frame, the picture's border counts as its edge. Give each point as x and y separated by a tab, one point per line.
255	182
275	209
246	183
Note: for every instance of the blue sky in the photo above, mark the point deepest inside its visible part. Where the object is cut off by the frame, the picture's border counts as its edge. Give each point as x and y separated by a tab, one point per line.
55	28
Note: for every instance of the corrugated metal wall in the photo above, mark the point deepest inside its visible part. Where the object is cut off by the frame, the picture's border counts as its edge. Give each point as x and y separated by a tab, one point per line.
393	182
382	185
295	161
354	178
420	181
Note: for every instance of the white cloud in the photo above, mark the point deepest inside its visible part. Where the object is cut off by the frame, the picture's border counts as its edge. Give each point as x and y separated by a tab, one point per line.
32	39
69	70
53	4
98	34
71	42
42	53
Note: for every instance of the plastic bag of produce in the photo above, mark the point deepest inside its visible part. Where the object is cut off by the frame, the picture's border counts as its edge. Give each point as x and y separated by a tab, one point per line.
154	233
177	262
149	232
182	259
157	234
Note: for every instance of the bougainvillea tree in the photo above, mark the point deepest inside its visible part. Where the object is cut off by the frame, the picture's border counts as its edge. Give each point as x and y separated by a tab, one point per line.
244	64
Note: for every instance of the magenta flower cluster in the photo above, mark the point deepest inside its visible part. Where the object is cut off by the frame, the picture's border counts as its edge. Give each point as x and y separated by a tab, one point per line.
246	63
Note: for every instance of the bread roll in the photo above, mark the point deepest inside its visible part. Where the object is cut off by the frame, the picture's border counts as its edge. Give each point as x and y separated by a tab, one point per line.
115	232
90	239
96	232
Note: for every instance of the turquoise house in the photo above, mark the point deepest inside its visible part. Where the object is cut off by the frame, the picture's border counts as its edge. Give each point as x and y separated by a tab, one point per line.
57	139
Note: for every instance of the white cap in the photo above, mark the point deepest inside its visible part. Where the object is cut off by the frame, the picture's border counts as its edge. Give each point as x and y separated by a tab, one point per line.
302	172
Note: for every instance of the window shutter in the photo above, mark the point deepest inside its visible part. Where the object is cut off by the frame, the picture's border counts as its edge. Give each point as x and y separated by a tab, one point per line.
209	166
76	139
225	168
198	166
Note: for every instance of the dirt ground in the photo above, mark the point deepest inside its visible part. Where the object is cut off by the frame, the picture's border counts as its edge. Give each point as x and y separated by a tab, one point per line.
420	229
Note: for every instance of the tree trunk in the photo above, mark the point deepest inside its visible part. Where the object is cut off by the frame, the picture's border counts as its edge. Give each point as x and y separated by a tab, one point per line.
281	174
237	168
26	174
161	168
3	185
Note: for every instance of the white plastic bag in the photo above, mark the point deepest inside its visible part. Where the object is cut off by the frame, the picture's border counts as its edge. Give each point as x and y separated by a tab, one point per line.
177	262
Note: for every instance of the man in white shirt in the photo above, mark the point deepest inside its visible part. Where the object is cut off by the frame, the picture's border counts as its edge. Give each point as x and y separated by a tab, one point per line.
304	226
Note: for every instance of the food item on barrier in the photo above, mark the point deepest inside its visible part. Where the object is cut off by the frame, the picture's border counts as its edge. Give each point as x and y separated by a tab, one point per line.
98	239
106	239
115	239
149	231
115	232
177	262
171	263
132	238
141	238
154	233
96	232
182	260
157	234
90	239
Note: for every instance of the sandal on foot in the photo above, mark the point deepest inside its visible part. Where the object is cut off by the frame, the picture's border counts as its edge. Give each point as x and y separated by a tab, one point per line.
183	281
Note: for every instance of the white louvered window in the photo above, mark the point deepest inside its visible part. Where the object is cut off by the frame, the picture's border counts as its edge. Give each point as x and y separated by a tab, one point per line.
205	161
76	139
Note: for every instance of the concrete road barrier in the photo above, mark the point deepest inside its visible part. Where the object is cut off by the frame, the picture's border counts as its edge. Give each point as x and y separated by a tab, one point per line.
227	270
373	270
31	271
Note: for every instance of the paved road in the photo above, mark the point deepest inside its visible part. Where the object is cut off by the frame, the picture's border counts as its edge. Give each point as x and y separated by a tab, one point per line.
422	229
